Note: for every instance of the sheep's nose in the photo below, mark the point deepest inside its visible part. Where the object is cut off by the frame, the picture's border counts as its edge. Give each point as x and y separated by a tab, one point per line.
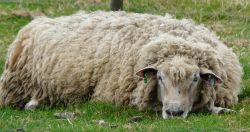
175	113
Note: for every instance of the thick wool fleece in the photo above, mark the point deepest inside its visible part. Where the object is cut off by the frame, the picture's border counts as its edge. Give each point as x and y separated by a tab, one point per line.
95	55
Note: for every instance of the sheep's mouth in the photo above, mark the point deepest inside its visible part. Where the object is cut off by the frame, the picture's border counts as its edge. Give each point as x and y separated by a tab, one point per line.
174	114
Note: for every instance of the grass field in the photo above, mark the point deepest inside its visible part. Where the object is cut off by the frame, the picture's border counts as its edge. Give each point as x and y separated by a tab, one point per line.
230	19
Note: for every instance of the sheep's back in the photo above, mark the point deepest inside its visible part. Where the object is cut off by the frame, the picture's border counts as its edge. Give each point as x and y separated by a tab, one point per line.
69	55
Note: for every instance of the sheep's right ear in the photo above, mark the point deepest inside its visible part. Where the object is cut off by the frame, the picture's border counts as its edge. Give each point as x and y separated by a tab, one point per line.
209	77
150	71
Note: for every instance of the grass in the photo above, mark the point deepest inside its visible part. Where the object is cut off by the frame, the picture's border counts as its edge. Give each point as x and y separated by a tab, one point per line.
118	116
229	19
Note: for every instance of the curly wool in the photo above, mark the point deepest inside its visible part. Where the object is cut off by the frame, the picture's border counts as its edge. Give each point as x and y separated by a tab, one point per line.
95	55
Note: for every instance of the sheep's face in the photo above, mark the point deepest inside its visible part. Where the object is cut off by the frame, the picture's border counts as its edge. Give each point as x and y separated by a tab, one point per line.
177	88
178	85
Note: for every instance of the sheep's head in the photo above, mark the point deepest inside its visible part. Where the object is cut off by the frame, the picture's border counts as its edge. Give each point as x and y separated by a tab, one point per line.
179	81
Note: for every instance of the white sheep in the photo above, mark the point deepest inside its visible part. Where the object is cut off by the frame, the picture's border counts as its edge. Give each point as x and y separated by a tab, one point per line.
149	61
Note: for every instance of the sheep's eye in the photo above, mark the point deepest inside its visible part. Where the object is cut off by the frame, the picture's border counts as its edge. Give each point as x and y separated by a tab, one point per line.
195	79
159	78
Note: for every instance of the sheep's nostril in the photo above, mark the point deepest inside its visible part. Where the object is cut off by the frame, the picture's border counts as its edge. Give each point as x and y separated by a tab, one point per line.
175	113
169	112
180	112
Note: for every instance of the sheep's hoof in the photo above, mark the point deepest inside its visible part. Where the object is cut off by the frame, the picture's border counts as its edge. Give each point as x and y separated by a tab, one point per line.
220	110
31	105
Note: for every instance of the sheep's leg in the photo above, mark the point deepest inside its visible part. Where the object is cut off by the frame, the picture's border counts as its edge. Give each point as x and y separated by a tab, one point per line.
220	110
217	110
31	105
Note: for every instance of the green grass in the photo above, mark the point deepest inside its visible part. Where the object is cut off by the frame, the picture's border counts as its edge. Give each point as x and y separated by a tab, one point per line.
118	116
230	19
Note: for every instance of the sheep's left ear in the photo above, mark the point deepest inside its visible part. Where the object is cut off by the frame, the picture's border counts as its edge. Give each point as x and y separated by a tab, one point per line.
147	71
209	77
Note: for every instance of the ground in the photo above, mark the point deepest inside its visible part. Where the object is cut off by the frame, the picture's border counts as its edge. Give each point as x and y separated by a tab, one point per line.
230	19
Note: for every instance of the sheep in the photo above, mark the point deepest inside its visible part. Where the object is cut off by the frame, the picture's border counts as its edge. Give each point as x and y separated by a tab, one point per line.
148	61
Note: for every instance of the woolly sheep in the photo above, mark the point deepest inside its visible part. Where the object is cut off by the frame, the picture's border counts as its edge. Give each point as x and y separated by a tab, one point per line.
148	61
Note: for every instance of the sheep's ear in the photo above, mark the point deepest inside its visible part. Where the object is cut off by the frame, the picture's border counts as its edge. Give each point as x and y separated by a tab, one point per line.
150	71
209	77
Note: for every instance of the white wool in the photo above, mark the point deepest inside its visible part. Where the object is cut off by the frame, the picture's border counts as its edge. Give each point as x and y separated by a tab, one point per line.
95	55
